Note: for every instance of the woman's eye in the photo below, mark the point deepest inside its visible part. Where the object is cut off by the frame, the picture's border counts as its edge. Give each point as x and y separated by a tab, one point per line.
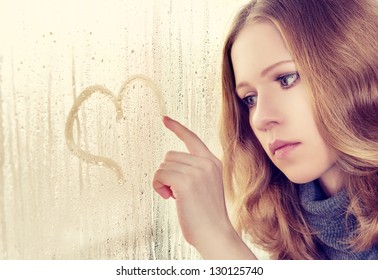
250	100
289	80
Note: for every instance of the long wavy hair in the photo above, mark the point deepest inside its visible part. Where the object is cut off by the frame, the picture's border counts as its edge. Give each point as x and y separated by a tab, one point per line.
334	46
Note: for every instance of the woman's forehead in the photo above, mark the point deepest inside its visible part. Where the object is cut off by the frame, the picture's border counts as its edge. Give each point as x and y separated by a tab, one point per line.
258	47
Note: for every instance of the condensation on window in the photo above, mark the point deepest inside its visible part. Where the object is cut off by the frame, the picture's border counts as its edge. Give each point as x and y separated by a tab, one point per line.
83	86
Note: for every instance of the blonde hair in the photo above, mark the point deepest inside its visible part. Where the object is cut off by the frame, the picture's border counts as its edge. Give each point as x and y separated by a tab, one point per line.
333	44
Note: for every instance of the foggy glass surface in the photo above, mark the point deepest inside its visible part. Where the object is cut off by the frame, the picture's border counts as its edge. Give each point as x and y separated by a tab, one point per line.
58	204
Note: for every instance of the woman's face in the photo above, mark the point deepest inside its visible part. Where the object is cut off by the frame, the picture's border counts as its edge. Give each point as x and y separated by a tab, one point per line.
281	114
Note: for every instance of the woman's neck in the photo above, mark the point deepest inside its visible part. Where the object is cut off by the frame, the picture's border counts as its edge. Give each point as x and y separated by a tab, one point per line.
331	181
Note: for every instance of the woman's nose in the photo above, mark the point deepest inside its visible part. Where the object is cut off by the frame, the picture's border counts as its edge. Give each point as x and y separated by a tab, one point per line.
267	112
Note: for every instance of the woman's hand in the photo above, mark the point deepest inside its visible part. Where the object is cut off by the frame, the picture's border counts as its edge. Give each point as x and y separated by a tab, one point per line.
194	179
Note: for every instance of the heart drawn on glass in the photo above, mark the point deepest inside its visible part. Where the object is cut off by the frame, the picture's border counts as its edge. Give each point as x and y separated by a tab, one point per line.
117	102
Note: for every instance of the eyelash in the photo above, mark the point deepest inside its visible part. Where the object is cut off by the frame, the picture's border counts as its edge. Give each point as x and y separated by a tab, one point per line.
246	101
282	77
279	79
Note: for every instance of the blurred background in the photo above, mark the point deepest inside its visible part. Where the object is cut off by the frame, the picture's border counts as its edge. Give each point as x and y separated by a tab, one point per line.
54	204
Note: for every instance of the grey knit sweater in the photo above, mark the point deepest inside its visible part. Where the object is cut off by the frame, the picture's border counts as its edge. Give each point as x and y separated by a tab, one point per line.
326	217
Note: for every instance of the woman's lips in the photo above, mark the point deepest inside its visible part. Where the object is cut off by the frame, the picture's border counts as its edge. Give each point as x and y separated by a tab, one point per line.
280	149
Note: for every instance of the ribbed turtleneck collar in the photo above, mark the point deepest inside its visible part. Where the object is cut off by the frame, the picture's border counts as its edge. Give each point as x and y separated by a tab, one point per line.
315	202
327	218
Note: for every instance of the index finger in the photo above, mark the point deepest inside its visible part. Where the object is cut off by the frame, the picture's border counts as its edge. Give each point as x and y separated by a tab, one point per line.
192	142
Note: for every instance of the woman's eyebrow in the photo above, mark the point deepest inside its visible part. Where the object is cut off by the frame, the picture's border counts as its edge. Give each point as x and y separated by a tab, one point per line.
263	73
274	65
241	85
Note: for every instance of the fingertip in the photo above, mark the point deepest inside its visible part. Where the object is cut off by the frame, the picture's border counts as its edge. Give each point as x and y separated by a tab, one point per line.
168	122
166	119
165	192
165	196
169	194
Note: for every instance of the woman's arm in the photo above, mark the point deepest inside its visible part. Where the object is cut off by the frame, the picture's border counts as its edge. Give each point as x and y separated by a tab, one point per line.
194	180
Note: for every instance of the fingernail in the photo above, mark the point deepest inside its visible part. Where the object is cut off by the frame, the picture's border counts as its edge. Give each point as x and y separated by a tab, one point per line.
167	120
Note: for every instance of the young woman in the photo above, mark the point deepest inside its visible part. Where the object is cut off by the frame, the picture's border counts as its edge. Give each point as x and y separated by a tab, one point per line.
299	135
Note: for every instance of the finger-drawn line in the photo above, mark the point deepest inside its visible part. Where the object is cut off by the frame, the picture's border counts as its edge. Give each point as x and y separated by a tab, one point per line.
117	102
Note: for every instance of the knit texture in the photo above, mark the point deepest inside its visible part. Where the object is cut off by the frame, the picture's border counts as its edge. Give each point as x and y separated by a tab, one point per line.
327	219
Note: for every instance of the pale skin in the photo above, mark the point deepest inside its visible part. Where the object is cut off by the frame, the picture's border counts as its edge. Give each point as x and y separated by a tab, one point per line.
277	112
194	180
280	108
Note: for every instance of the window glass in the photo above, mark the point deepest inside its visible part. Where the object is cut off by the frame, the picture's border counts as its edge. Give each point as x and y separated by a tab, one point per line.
79	146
